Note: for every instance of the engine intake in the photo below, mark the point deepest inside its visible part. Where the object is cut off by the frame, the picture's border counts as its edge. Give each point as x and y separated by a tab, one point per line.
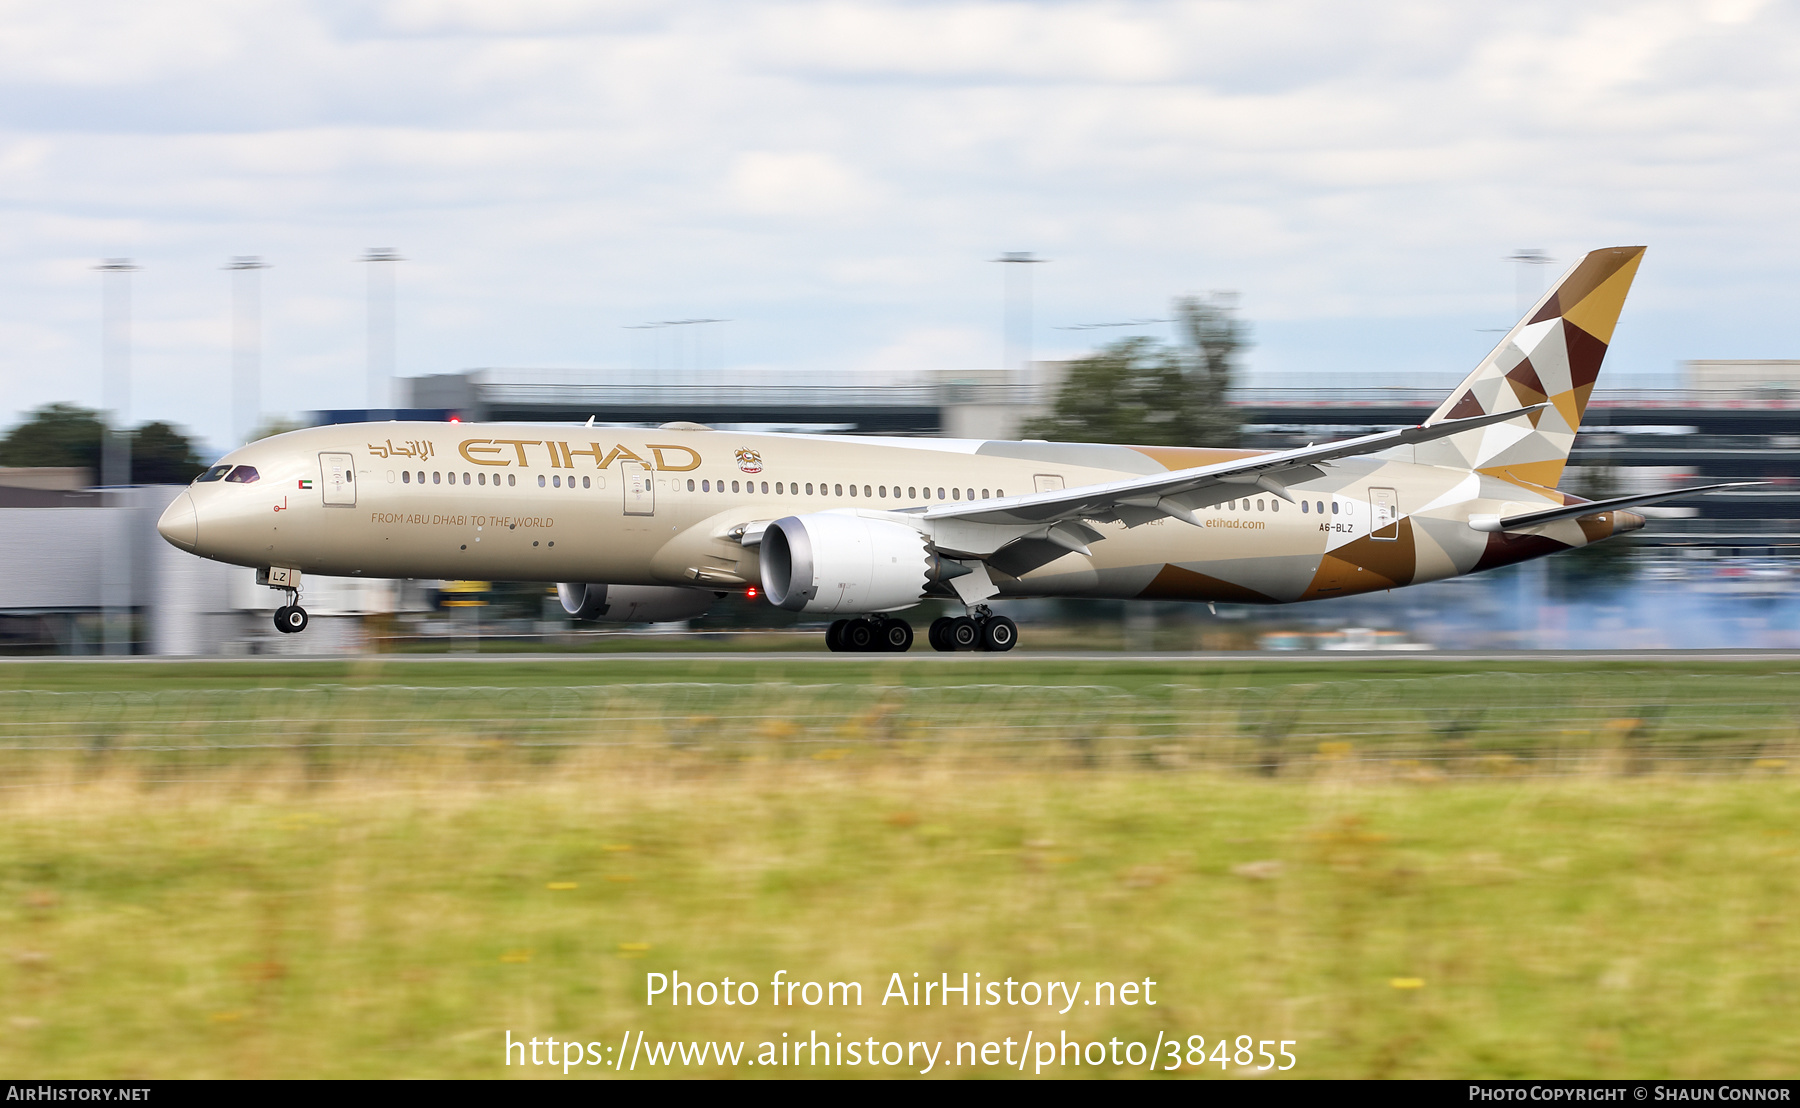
832	562
634	603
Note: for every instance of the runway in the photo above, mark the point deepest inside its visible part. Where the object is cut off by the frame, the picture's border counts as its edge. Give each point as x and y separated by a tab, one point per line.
1027	657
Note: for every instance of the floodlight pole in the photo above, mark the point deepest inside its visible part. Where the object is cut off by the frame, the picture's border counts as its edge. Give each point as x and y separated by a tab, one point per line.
1528	275
115	452
381	260
246	345
1533	576
1016	366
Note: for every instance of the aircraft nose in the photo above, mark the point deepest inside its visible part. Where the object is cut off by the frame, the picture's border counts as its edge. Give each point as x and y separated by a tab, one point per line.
180	524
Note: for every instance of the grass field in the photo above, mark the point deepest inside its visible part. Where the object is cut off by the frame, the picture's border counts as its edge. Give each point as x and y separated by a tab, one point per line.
1410	868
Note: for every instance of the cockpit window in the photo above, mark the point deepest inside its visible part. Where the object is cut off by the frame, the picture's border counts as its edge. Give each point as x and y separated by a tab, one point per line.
213	474
243	475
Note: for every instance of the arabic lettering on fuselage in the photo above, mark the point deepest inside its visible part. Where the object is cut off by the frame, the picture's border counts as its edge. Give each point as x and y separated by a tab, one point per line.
506	452
411	448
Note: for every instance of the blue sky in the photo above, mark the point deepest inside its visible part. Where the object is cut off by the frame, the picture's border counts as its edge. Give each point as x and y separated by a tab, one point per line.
834	177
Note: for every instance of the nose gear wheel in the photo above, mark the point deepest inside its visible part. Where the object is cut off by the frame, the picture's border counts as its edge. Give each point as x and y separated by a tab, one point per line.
290	619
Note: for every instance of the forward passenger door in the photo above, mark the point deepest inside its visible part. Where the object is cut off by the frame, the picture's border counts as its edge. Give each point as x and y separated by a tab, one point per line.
337	478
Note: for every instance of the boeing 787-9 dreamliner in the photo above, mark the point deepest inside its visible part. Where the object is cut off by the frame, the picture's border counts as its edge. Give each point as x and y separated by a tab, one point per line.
659	525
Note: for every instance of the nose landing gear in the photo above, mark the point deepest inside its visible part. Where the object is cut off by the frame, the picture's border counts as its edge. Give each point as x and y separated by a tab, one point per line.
980	630
290	618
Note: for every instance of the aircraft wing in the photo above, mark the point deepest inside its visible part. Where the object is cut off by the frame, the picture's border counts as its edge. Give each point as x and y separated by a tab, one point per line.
1180	493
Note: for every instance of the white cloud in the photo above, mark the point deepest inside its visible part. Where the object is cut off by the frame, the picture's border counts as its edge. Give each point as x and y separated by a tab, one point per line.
806	183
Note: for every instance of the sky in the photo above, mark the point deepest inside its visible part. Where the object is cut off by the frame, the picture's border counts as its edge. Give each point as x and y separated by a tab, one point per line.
834	179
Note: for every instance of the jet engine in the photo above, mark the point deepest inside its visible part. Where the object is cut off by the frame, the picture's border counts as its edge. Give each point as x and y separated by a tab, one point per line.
634	603
831	562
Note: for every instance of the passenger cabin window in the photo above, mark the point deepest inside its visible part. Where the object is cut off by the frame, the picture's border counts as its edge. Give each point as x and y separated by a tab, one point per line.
512	479
540	480
406	477
912	493
1334	507
840	490
243	475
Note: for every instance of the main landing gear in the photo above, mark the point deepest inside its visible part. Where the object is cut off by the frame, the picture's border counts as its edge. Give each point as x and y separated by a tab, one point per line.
870	633
290	618
980	630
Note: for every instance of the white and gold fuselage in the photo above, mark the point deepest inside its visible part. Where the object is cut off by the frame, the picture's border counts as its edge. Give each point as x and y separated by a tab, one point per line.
672	506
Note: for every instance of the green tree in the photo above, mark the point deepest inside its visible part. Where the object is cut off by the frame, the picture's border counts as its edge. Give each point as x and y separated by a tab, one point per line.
162	455
56	435
70	435
1148	393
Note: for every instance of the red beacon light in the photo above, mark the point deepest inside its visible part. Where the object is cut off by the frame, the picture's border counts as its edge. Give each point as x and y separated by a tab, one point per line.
750	593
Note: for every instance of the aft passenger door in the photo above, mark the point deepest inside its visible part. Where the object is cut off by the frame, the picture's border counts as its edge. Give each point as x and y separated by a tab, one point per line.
1384	508
640	489
337	477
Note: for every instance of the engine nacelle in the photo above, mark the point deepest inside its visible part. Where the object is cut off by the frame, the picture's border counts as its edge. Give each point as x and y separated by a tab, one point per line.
831	562
634	603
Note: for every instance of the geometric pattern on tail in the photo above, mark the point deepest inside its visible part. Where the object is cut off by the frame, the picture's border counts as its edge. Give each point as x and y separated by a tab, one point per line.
1552	356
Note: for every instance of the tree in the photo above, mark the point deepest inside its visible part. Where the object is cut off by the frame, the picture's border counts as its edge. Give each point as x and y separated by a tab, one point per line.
161	455
1148	393
69	435
56	435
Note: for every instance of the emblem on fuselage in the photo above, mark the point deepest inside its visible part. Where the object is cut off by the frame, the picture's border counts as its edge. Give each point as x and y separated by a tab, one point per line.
750	461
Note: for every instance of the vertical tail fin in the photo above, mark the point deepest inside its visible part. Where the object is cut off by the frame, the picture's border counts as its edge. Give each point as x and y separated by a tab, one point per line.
1553	355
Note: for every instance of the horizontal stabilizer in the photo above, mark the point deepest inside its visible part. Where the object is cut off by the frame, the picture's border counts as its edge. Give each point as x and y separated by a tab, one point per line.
1591	508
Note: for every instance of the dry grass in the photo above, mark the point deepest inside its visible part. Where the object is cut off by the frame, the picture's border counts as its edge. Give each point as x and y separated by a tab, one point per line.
396	921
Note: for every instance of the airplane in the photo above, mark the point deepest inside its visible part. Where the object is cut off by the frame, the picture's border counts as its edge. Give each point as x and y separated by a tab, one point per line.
659	525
